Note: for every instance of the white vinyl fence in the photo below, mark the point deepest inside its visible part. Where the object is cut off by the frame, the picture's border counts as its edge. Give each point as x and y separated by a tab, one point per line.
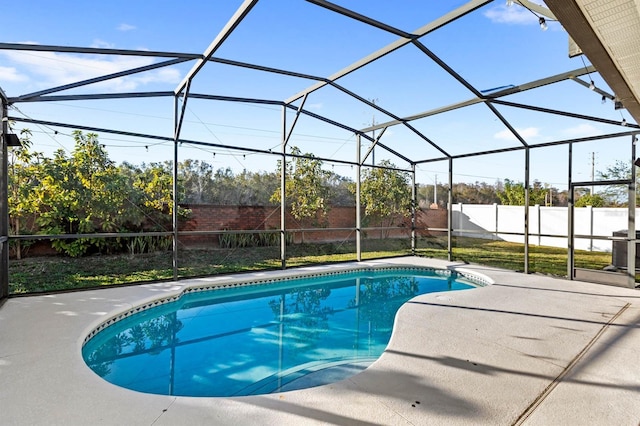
548	226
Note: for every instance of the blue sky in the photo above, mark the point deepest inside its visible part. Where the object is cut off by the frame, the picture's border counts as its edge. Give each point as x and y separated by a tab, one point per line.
491	47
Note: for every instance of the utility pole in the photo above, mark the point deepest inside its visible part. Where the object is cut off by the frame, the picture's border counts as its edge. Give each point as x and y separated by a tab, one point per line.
435	191
593	168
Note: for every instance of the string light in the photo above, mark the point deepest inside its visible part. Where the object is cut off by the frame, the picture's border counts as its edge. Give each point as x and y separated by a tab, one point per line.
592	85
604	99
543	23
541	20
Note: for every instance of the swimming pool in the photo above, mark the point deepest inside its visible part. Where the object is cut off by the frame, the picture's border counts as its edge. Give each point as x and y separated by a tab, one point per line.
259	338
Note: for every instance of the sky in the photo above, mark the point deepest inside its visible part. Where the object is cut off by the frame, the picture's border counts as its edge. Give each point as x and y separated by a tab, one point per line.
494	46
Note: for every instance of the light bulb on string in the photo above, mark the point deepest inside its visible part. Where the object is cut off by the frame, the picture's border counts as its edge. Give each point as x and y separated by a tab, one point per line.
604	99
592	85
509	3
543	23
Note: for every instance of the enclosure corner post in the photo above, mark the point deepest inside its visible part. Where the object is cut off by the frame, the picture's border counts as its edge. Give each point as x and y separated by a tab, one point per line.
358	213
450	213
283	192
414	209
4	204
174	189
631	235
570	231
527	159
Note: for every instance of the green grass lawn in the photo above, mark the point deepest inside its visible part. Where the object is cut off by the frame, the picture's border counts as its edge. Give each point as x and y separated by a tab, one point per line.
44	274
506	255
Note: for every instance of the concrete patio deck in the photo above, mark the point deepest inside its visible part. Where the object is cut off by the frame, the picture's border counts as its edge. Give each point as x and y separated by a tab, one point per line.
527	349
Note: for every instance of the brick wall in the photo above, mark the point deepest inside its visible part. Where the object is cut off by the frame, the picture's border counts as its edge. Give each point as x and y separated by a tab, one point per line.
206	217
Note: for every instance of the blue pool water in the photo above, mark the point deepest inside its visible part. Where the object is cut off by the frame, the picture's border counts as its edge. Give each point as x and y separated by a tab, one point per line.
258	339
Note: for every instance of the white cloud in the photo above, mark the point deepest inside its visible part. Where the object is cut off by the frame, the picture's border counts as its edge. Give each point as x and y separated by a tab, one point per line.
315	106
126	27
163	75
11	74
51	69
582	130
102	44
527	133
515	15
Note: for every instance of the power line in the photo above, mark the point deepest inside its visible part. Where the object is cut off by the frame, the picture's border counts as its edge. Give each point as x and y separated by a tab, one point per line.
55	132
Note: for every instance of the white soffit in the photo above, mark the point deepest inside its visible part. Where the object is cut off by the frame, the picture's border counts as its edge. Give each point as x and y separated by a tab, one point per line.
608	32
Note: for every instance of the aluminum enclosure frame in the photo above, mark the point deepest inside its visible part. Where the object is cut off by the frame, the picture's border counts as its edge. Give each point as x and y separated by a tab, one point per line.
182	93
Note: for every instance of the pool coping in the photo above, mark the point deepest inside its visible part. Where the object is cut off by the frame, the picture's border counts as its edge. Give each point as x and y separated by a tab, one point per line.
528	349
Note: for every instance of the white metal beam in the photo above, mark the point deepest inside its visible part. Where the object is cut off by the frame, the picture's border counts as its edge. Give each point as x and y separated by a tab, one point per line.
511	90
432	26
540	10
231	25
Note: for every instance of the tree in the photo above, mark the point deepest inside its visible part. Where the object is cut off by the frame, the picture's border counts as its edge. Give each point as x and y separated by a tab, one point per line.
594	200
475	193
197	178
385	194
340	194
22	179
616	195
223	189
306	188
151	195
256	188
84	193
513	193
81	194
